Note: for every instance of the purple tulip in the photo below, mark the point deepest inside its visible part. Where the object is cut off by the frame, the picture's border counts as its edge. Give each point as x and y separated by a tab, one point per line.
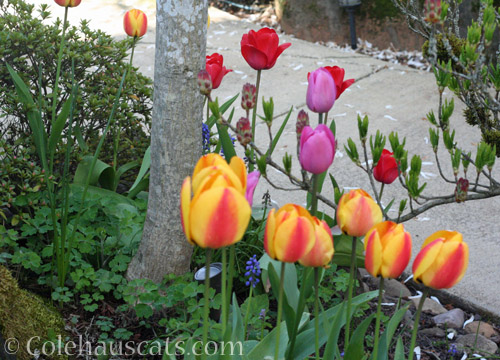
252	181
321	91
317	149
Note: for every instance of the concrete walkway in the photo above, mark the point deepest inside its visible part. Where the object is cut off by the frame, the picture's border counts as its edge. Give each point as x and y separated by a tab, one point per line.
396	98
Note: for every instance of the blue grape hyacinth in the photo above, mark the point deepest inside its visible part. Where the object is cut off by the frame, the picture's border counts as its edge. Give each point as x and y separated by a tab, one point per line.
252	271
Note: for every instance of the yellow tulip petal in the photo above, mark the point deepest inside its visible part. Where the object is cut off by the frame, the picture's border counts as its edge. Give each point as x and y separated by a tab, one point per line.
444	234
269	234
185	207
219	217
449	266
373	256
322	252
396	253
425	258
240	169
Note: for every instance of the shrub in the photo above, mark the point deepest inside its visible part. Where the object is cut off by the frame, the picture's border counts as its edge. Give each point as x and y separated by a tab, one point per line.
28	44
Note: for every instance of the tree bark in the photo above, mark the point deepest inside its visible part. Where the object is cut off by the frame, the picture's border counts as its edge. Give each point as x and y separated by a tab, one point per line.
181	29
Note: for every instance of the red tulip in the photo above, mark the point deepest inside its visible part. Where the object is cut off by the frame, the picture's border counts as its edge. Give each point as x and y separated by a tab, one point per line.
260	49
338	76
386	170
216	69
135	23
321	91
68	3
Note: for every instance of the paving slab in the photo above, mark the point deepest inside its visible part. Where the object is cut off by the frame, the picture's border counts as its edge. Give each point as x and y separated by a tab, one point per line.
395	97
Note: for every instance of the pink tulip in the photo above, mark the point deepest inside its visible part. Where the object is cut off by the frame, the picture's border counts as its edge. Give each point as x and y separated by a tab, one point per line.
321	91
317	148
252	181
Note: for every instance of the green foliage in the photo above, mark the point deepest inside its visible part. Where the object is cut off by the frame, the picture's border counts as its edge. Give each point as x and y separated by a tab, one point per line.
27	44
443	56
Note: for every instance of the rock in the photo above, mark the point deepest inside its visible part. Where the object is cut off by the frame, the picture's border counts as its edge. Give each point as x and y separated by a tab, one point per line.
395	289
430	306
485	329
408	319
435	332
483	346
454	319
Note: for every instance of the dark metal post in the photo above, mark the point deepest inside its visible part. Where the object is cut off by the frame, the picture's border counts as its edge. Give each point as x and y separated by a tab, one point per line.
352	27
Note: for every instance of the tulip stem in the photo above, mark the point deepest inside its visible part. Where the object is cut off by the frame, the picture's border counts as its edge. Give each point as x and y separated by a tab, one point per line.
280	309
377	320
230	276
415	324
254	118
206	306
224	286
316	312
380	193
320	118
314	194
116	131
349	291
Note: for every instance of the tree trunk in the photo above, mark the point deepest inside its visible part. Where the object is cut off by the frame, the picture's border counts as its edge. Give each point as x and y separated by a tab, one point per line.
181	29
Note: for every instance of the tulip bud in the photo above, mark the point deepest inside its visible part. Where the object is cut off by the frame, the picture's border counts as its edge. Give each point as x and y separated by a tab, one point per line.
244	131
357	213
443	260
68	3
204	82
386	170
135	23
461	190
388	250
321	91
432	9
289	233
317	149
302	122
248	96
322	252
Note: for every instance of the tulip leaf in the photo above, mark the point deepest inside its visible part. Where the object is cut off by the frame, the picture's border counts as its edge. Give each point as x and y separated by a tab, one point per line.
343	246
278	134
390	329
266	347
237	326
123	169
355	350
146	164
102	174
227	144
305	339
58	126
400	350
188	350
288	309
338	322
223	108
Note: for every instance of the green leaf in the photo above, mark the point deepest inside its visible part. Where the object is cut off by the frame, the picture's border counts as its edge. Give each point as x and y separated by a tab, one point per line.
227	144
400	350
343	250
238	331
266	347
102	174
339	321
355	350
288	309
58	126
222	110
390	329
280	131
123	169
146	163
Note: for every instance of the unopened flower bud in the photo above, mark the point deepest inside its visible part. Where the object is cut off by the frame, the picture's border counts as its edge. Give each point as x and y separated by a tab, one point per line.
302	122
204	82
461	190
244	131
248	96
432	11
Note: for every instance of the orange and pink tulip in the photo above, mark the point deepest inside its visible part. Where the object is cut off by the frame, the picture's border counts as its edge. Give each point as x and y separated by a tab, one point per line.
289	234
387	250
135	23
218	213
322	252
357	212
443	260
68	3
